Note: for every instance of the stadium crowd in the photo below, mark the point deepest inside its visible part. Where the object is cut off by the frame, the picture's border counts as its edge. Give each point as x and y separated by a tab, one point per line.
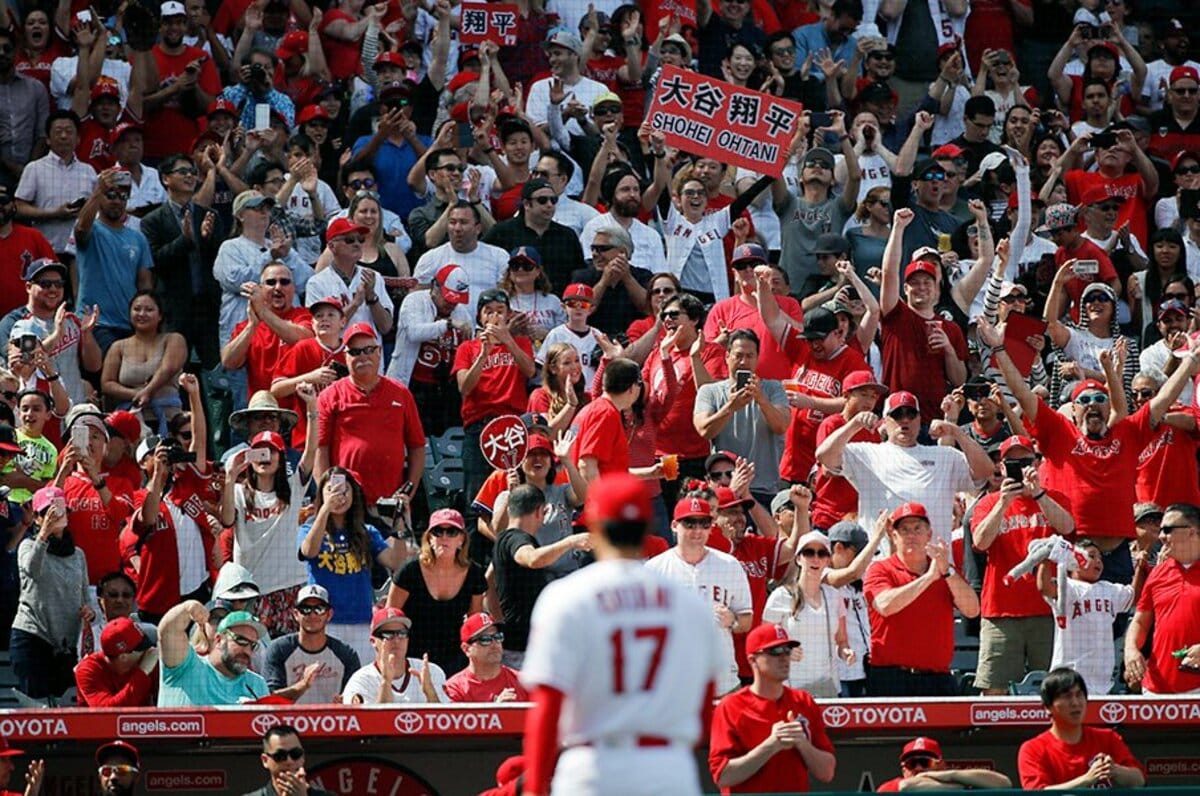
268	269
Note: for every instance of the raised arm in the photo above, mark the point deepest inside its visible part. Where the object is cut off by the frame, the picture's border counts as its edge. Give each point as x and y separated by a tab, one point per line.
889	290
993	339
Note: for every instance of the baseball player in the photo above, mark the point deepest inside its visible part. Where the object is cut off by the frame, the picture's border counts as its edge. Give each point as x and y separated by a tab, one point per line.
620	664
718	577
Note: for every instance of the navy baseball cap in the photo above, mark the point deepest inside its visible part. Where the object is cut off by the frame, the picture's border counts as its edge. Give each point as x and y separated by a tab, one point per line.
527	253
748	252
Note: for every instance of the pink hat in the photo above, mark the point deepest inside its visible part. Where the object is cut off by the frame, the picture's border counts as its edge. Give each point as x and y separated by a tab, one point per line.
45	496
447	517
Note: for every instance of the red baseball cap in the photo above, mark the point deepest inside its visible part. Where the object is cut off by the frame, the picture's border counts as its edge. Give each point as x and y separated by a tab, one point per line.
920	267
539	442
105	86
947	48
921	747
859	379
1014	200
1108	48
910	509
447	518
358	330
1017	441
121	129
221	105
579	291
390	58
728	499
344	226
618	497
1097	194
122	635
951	151
452	281
270	439
8	751
461	79
387	616
328	301
311	112
126	424
294	43
1088	384
899	400
473	624
121	748
690	507
767	636
1181	155
1184	73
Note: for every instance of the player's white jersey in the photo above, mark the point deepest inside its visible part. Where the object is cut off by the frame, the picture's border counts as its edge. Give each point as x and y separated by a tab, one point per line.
718	578
632	651
1085	644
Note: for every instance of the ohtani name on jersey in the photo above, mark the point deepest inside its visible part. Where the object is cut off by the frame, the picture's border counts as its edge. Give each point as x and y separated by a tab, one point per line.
633	598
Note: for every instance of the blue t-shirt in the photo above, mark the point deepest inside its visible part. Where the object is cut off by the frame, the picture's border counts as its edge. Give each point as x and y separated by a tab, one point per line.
343	574
196	682
109	260
392	164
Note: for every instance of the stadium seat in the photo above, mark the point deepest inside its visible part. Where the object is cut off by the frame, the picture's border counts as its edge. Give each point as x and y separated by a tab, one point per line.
1030	686
450	444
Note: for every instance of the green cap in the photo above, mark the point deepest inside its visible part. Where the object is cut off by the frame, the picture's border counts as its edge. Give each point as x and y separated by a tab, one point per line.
236	618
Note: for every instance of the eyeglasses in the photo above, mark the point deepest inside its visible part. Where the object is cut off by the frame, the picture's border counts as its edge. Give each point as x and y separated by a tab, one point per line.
363	351
782	649
813	552
906	413
1187	92
1088	398
351	240
309	610
388	635
117	196
1188	169
599	248
695	523
243	642
279	755
545	200
122	769
670	315
444	532
721	475
365	182
663	291
576	304
1170	529
49	284
279	281
486	641
186	171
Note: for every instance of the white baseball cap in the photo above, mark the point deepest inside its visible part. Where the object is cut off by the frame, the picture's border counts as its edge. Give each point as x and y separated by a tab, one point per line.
172	8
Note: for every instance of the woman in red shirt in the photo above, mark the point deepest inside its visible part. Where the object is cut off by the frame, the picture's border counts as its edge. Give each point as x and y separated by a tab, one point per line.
38	48
563	389
661	289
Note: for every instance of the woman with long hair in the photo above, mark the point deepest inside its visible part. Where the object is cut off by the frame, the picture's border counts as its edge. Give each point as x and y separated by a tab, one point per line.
1020	124
814	614
563	389
867	241
438	588
1185	172
532	296
140	372
1080	342
38	46
338	547
1146	288
261	500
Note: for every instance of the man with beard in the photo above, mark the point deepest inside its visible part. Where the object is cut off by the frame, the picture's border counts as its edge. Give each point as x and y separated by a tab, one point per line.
119	767
113	260
24	130
188	82
20	246
483	263
621	191
1091	455
222	676
283	758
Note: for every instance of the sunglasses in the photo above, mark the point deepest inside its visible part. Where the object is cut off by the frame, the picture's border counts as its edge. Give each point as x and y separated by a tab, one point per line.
933	176
1188	169
295	753
720	474
120	770
882	203
396	102
670	315
280	281
742	265
440	533
117	196
813	552
576	304
668	50
118	595
309	610
363	351
663	291
1102	298
486	641
243	642
185	171
352	240
49	284
523	265
388	635
907	413
882	56
9	395
366	182
1143	393
1108	207
1170	529
1184	297
458	168
606	109
545	200
1187	92
919	761
694	523
600	248
1015	298
1088	398
782	649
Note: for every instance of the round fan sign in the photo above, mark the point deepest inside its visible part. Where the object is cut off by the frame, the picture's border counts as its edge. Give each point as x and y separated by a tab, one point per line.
504	442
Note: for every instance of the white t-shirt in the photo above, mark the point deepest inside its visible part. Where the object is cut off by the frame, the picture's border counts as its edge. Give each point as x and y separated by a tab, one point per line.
264	541
585	91
328	284
366	681
148	192
719	578
662	634
887	475
1154	89
647	243
813	628
683	237
485	265
300	205
1085	644
545	311
1154	359
584	343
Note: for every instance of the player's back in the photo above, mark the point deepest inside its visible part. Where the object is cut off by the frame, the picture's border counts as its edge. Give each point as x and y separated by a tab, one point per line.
632	651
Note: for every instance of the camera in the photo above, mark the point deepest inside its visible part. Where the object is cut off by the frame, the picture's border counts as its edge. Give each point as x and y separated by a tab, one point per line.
977	392
340	369
176	454
258	72
28	343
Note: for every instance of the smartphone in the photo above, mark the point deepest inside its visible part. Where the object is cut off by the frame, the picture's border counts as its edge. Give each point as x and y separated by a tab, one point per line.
1086	267
820	119
466	135
851	294
743	378
258	455
58	505
124	179
1013	470
1102	140
177	455
337	481
976	392
80	437
262	116
84	17
340	369
78	203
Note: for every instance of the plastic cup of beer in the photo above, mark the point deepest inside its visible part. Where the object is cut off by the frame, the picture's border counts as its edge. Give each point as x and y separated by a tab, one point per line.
791	385
670	466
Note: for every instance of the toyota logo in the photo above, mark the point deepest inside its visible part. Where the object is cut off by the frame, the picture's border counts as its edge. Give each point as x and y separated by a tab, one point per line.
1112	713
836	716
407	722
263	722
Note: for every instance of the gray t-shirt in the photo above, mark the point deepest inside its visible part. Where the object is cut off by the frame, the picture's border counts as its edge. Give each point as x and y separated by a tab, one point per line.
800	224
747	433
287	660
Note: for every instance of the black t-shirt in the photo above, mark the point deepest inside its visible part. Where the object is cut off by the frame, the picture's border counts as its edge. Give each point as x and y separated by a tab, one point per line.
436	622
616	310
518	586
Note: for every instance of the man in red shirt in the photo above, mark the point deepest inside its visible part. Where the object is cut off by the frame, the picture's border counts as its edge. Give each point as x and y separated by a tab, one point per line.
369	423
37	769
922	768
922	352
19	246
834	497
1112	163
1070	755
317	360
601	442
1176	128
187	83
485	679
1167	471
911	597
767	737
1170	604
1092	456
1017	632
122	674
272	324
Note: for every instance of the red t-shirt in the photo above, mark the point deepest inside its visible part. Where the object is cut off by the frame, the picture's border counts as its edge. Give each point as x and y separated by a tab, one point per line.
466	687
821	378
1129	186
760	558
497	482
734	313
1076	104
743	720
910	364
296	360
501	387
193	492
891	786
601	434
173	125
370	432
341	56
1172	594
640	327
38	67
93	146
228	15
653	545
1045	760
267	349
1166	471
921	636
1075	285
1022	523
94	526
833	496
677	431
23	245
158	573
100	686
1097	476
